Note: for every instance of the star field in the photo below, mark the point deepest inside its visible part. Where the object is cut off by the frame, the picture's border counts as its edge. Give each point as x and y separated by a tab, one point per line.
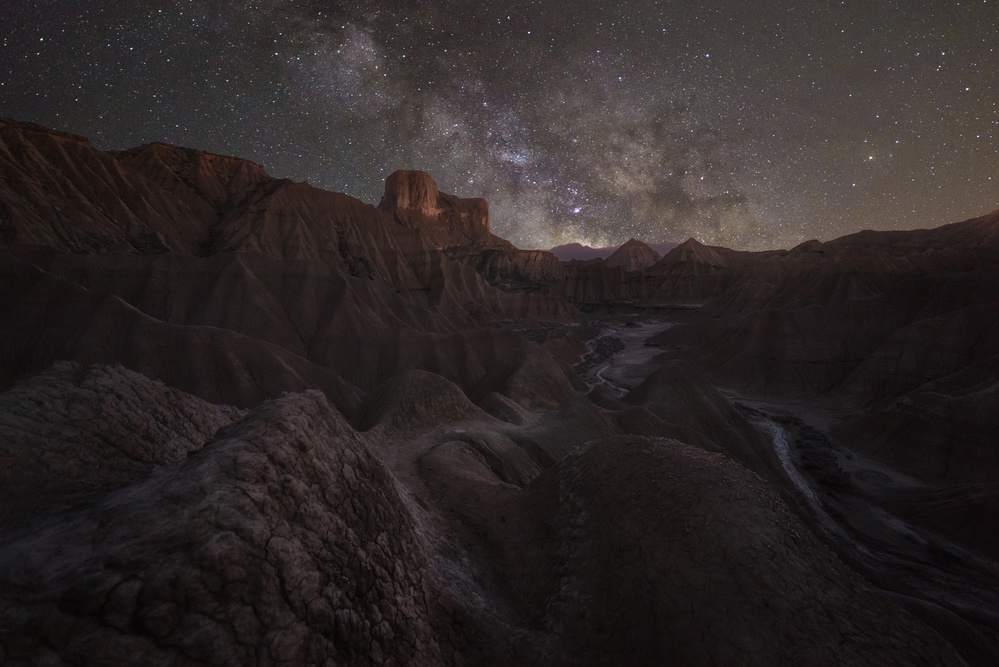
741	124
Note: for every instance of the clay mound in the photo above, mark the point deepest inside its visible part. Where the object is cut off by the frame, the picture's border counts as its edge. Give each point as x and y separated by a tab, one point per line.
694	256
552	434
283	540
503	408
673	555
413	400
690	273
75	429
532	377
637	550
483	455
679	395
633	256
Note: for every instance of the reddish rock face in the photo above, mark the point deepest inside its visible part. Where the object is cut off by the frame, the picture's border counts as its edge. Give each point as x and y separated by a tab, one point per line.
413	199
411	192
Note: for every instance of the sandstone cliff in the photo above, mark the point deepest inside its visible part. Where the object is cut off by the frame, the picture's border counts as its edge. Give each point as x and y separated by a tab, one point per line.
412	199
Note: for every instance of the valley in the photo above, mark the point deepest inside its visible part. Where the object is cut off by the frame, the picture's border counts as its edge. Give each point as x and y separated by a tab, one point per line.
247	421
850	499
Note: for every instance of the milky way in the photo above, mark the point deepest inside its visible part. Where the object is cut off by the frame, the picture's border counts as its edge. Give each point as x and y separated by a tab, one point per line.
739	124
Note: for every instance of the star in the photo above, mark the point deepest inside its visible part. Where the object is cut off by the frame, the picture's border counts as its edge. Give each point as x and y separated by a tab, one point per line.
714	120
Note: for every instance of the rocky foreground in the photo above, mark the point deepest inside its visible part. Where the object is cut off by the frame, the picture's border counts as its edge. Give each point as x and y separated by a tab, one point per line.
246	421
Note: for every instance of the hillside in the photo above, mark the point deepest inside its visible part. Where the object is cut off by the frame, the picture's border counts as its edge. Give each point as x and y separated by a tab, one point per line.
245	420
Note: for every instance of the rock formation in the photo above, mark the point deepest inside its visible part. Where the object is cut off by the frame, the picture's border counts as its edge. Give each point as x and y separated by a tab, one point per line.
244	420
633	256
283	540
412	199
73	430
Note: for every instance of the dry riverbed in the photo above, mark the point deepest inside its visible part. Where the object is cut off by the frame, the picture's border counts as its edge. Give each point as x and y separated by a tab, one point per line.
619	357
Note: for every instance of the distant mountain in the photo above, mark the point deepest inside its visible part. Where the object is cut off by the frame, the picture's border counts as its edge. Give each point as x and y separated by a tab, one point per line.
571	251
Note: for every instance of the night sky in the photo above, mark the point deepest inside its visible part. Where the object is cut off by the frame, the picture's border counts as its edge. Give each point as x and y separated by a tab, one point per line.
750	125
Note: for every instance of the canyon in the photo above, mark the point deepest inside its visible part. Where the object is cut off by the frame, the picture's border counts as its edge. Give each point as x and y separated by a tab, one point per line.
244	420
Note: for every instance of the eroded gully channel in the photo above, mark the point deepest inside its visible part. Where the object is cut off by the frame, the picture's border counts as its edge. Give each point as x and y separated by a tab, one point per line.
618	357
839	487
